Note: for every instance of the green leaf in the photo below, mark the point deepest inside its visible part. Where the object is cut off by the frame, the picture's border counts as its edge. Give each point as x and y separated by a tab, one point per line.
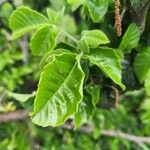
85	111
48	57
97	9
145	117
98	122
94	91
146	104
24	20
107	60
66	46
130	38
94	37
138	5
147	84
75	3
21	97
142	64
87	106
59	91
55	16
83	46
44	40
70	27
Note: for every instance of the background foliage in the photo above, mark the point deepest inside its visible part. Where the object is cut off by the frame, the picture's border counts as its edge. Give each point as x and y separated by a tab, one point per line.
20	73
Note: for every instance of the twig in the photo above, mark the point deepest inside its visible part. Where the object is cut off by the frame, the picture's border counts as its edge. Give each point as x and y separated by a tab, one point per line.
116	92
23	114
13	116
133	138
116	134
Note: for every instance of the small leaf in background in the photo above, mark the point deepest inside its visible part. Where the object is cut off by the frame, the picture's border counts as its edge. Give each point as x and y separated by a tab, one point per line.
55	16
87	106
21	97
107	60
130	39
142	64
24	20
59	91
146	104
5	58
94	37
10	106
147	84
97	9
44	40
5	11
84	113
57	5
94	91
83	46
68	24
138	5
145	116
98	123
76	3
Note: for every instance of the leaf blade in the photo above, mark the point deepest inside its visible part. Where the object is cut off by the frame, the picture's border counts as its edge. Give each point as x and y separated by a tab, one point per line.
107	60
55	16
44	40
94	37
97	9
141	67
75	3
130	38
24	20
53	104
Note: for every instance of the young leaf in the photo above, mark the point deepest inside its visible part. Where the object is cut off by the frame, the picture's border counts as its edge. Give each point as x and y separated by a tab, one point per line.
21	97
48	57
98	122
83	46
141	66
84	113
97	9
94	37
107	60
59	91
146	104
55	16
70	27
94	91
24	20
75	3
147	84
44	40
130	38
87	106
146	115
138	5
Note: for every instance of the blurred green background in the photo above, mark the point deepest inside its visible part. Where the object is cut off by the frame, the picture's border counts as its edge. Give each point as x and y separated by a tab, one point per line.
19	75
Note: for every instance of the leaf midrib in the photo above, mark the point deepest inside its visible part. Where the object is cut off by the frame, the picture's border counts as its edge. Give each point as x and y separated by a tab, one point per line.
59	87
46	38
28	29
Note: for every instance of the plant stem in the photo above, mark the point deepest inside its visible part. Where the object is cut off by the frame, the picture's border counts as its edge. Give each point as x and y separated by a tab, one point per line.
66	33
70	36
